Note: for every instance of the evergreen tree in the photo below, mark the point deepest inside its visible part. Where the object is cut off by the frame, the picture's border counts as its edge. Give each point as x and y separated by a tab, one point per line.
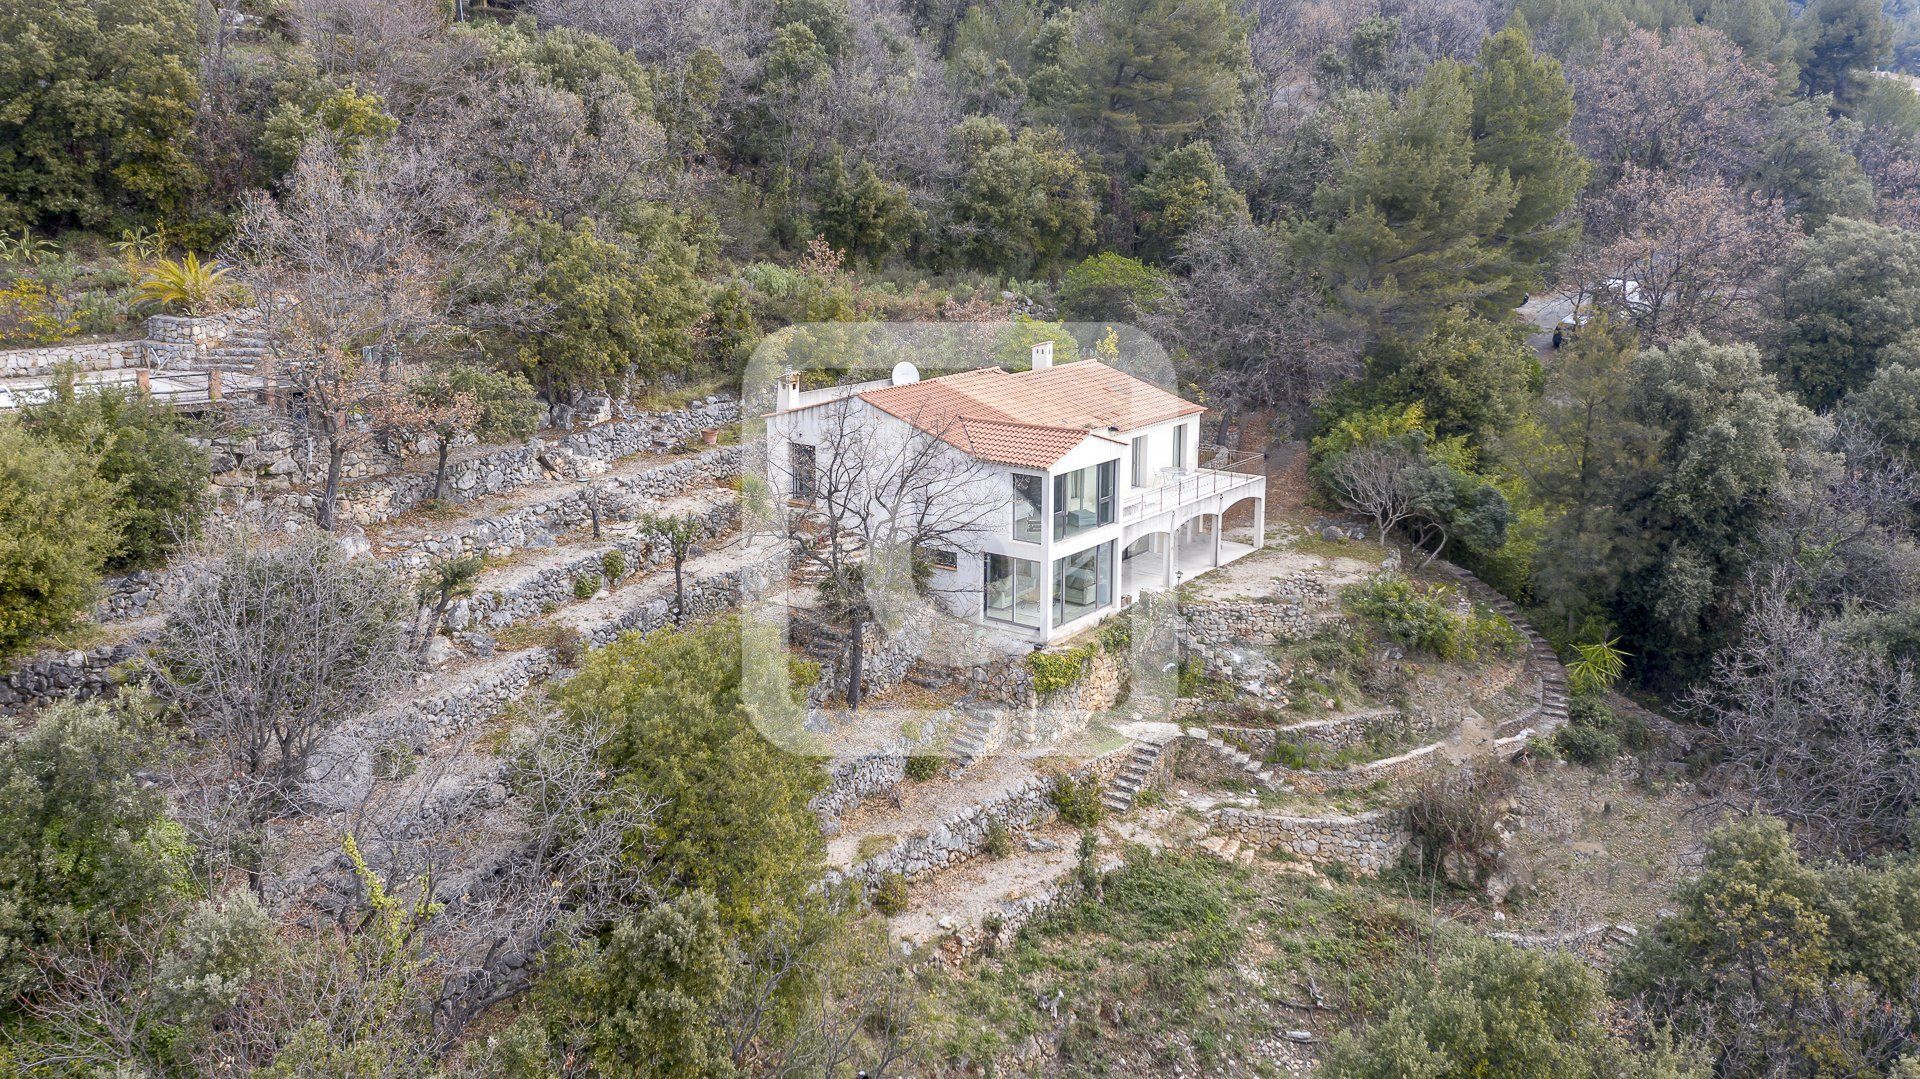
1472	376
1185	190
1847	293
733	818
1522	105
1840	42
1149	74
862	214
1409	229
99	100
57	527
1024	203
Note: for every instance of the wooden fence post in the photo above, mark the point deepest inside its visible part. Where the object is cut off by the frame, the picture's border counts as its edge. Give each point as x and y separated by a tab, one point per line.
213	383
144	378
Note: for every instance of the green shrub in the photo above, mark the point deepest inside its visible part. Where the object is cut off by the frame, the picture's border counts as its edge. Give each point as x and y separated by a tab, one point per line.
614	565
585	585
1078	800
999	840
1589	746
921	768
1494	1009
890	898
1403	611
83	843
1426	618
160	477
57	527
1055	671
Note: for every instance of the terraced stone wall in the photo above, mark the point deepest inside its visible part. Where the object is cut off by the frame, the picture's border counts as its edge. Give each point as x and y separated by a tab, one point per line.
1365	842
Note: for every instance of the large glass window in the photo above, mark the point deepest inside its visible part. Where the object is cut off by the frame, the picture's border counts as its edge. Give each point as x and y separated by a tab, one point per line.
1082	583
1013	590
1026	508
1140	461
1083	499
1180	445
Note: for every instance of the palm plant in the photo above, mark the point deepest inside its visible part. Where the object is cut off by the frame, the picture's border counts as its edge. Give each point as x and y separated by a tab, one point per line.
1596	667
185	284
26	249
141	244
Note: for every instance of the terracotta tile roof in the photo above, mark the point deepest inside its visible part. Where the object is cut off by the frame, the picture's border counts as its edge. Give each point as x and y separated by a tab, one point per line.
1033	418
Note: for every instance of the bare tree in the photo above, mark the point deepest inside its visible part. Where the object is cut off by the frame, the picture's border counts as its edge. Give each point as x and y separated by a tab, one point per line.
268	652
1377	479
1698	254
1825	734
1686	103
882	492
550	152
569	871
1255	326
360	271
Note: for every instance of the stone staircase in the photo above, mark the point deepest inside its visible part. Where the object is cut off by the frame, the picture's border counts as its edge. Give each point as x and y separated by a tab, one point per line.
1228	848
977	735
1257	770
1125	785
1541	658
245	347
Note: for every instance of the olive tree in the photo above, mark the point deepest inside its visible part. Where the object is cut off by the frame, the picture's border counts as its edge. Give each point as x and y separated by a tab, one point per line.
272	649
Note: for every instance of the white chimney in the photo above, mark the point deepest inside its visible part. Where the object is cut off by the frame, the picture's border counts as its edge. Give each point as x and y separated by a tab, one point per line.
787	396
1043	355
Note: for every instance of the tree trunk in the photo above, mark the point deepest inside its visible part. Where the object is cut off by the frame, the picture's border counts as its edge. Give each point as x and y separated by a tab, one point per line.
856	652
440	470
335	454
1226	424
679	590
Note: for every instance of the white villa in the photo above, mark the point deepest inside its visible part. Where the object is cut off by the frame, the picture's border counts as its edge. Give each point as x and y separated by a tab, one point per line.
1093	490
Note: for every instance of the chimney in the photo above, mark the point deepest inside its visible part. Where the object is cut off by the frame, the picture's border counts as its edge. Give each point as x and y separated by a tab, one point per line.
787	395
1043	355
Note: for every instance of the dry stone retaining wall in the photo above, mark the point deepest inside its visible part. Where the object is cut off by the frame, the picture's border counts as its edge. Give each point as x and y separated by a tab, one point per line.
964	834
578	455
79	673
171	341
536	525
1366	842
1298	605
553	587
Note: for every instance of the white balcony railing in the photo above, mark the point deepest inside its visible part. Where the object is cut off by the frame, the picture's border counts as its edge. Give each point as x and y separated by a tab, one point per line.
1179	487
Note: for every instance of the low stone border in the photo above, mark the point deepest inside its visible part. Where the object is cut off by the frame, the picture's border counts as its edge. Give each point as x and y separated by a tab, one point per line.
75	674
1365	843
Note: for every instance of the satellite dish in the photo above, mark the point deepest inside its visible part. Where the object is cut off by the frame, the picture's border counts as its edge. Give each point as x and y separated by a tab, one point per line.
905	374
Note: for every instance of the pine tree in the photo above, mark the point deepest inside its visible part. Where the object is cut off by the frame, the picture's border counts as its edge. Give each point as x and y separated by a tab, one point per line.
1410	229
1154	72
1522	104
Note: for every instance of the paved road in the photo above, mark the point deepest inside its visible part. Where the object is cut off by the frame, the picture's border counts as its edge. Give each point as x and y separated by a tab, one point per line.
1544	312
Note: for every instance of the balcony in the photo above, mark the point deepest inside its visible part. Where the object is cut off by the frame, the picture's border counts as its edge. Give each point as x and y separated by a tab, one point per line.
1178	487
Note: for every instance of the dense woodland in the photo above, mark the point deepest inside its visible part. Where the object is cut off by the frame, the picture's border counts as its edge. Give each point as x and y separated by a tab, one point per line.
1330	211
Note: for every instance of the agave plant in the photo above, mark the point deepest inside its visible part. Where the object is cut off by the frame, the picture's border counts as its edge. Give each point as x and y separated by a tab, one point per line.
1596	667
141	244
185	283
26	249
